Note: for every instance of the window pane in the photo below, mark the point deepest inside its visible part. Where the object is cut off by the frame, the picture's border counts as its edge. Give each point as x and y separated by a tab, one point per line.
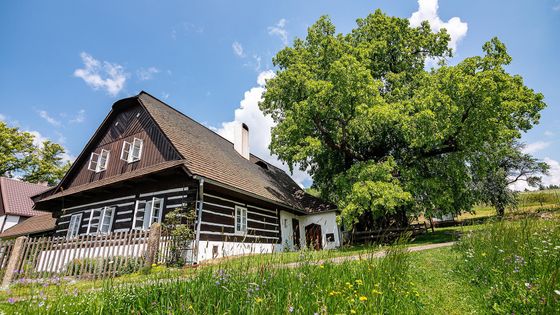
139	217
157	208
92	166
147	215
125	151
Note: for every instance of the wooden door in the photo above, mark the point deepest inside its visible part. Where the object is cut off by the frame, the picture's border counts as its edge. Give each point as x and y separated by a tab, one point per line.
313	236
295	233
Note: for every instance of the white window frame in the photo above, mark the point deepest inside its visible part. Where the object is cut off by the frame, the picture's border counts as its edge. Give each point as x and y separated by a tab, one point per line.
129	149
241	216
91	217
73	230
95	161
148	218
104	217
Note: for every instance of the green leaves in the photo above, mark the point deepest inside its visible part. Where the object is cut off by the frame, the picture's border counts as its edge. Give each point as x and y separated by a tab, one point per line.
377	131
19	156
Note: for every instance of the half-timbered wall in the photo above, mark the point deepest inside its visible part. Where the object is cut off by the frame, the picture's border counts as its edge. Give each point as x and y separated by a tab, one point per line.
218	221
125	207
132	122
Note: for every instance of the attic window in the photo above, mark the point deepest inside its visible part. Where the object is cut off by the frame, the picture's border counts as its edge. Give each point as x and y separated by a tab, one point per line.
98	162
262	164
132	151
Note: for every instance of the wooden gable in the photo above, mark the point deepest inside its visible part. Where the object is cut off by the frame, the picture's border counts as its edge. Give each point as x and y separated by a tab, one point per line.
125	123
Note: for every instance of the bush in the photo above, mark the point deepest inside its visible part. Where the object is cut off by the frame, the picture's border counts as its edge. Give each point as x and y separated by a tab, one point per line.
516	265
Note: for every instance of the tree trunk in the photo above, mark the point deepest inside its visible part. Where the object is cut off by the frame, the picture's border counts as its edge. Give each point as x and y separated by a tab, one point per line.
500	211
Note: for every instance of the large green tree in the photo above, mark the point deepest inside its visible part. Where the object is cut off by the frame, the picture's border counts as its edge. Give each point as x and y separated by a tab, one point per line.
20	156
379	133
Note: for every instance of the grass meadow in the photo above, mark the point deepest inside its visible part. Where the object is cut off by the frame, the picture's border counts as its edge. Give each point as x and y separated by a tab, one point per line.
499	267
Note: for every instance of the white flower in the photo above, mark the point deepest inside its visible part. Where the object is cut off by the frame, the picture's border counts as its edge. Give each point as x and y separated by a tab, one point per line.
557	292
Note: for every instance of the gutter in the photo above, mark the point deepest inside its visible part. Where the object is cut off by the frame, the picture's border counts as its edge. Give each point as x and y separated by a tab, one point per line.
199	216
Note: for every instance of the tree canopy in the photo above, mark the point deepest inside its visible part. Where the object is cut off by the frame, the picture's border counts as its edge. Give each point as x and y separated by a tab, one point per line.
381	134
21	157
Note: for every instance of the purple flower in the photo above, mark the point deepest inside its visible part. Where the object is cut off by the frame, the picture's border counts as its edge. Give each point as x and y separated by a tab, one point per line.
11	300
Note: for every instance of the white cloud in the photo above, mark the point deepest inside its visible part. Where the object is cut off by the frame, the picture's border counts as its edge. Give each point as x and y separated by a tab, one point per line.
428	11
553	177
146	74
549	133
2	117
259	126
101	75
45	115
238	49
535	147
79	118
279	30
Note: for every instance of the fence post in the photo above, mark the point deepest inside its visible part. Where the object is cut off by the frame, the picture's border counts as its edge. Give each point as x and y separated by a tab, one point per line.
13	261
153	244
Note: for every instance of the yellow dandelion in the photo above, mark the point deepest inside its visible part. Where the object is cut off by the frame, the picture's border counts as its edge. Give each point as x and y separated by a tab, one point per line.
352	312
322	266
363	298
258	299
359	282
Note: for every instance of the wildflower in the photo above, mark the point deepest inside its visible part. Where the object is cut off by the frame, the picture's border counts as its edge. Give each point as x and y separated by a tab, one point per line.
352	312
41	303
557	292
291	309
154	265
359	282
258	300
374	291
483	254
528	285
11	300
322	266
363	298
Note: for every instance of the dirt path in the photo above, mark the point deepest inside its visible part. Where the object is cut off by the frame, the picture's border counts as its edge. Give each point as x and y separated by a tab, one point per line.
341	259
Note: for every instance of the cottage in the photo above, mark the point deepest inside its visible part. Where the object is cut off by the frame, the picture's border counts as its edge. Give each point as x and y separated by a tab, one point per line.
147	159
16	205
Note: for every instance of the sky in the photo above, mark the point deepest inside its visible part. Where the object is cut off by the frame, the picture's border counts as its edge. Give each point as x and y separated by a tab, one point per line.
64	63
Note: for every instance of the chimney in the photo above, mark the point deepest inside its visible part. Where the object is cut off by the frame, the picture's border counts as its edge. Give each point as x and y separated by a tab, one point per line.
241	140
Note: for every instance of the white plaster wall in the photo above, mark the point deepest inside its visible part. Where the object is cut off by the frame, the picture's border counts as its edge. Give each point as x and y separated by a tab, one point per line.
228	249
327	221
287	231
10	220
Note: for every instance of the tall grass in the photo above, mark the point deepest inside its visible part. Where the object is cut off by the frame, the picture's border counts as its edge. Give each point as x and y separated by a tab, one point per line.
369	286
515	265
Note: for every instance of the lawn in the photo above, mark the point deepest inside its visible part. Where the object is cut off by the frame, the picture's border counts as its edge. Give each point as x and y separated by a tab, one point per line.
483	273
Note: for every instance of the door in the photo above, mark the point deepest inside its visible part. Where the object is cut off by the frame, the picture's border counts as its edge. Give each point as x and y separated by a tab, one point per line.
313	236
295	233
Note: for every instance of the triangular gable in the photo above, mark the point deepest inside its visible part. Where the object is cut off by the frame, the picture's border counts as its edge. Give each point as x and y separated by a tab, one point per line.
126	121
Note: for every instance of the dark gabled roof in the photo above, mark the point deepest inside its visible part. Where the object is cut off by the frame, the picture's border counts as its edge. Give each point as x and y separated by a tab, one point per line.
33	225
211	156
16	196
208	155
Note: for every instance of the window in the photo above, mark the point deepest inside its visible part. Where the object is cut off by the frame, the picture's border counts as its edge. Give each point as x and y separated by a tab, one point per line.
240	219
98	162
74	226
106	220
147	213
131	152
104	217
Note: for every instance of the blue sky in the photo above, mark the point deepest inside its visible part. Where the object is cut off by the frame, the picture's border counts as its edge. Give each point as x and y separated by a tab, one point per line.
62	64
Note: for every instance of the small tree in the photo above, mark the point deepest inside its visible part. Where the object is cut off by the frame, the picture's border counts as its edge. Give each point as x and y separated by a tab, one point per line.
179	225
